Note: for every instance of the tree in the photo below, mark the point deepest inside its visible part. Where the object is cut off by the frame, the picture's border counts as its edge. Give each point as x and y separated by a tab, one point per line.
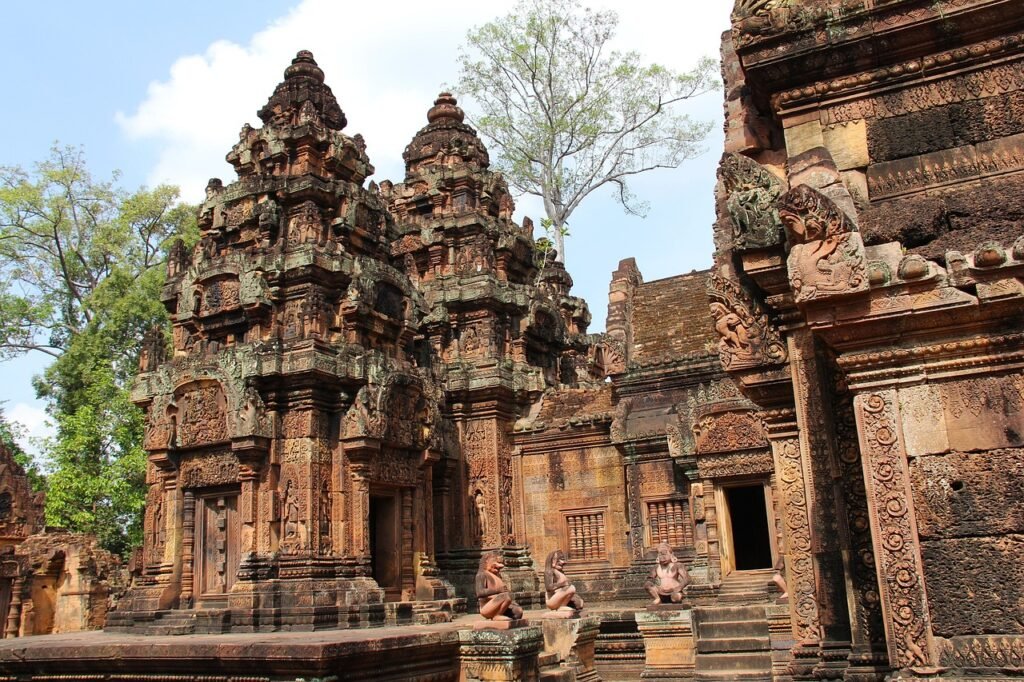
568	115
82	263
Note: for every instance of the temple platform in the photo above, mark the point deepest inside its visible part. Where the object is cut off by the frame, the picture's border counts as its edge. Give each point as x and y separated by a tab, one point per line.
410	652
415	653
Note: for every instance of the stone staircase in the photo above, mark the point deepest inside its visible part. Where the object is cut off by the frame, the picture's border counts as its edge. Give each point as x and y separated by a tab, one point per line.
551	670
732	638
748	587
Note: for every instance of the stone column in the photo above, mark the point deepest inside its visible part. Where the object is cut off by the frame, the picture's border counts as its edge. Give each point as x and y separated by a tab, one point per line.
636	524
714	538
869	659
361	510
825	508
188	534
359	451
248	508
894	530
500	655
783	435
668	643
13	624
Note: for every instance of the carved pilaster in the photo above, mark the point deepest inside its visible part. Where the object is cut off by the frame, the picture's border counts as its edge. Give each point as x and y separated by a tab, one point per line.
187	545
894	529
868	657
781	428
633	493
825	506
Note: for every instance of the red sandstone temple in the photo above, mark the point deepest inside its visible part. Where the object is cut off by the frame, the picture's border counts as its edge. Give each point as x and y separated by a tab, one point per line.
371	386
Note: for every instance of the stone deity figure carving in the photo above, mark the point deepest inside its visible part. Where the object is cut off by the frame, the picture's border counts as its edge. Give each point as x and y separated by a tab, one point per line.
668	578
561	594
290	522
494	597
730	327
250	415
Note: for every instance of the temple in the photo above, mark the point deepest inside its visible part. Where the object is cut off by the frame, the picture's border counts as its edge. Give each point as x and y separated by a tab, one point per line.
807	455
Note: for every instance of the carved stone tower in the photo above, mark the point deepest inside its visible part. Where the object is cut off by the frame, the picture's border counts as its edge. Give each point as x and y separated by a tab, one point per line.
291	435
501	329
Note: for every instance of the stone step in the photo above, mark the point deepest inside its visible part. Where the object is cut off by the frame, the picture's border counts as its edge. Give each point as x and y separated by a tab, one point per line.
547	658
739	675
724	629
556	675
715	614
733	644
732	662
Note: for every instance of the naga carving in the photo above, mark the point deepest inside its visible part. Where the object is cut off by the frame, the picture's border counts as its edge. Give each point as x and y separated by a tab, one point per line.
751	191
827	253
746	338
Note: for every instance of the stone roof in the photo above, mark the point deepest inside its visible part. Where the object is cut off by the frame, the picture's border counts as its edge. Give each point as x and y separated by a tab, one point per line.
670	318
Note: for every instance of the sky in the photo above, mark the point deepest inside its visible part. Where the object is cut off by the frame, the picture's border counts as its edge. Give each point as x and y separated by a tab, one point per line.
158	92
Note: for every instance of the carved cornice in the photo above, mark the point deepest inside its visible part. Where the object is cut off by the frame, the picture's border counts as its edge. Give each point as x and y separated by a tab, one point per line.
545	440
926	95
788	50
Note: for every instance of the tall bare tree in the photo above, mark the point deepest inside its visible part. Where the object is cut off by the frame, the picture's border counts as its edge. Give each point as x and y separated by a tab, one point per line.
568	115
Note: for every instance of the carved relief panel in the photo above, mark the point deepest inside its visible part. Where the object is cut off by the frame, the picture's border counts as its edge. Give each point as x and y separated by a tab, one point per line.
199	412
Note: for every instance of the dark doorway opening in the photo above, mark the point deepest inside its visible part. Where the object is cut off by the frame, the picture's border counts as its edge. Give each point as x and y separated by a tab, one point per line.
384	554
751	543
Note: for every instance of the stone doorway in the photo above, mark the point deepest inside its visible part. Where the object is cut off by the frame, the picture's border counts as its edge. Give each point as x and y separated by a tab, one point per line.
5	603
747	542
385	551
216	555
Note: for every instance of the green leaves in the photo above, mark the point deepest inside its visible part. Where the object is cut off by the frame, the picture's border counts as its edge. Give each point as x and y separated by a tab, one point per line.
82	263
568	115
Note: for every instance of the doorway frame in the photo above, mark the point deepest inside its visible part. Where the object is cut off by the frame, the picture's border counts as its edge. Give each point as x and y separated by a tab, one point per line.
392	593
207	599
726	548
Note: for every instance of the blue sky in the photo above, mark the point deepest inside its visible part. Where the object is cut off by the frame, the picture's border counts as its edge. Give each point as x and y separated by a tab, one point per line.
160	90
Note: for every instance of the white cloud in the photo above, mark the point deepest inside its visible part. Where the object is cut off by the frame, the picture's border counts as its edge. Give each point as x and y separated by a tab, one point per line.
384	61
35	422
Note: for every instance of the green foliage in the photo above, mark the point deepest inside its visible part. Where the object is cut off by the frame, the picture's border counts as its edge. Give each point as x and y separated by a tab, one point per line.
568	115
82	263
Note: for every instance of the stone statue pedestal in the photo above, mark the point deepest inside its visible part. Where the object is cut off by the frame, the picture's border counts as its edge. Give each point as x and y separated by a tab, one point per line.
667	631
563	613
491	655
571	639
505	624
